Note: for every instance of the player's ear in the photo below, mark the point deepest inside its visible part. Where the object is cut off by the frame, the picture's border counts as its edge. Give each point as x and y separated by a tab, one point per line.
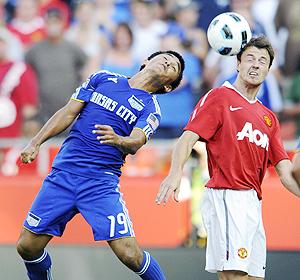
167	88
238	66
145	62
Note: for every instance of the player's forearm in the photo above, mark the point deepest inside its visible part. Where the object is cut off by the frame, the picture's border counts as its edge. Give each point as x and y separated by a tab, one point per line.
291	184
284	171
55	125
296	168
129	145
180	155
296	175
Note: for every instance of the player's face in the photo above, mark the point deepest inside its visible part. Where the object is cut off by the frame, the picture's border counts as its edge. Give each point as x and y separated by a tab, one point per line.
254	66
165	68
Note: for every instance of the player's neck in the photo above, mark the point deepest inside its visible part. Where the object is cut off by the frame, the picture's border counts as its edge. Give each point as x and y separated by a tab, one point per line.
143	82
247	90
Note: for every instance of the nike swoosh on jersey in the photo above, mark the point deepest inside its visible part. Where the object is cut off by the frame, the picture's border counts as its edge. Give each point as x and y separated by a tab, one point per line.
232	109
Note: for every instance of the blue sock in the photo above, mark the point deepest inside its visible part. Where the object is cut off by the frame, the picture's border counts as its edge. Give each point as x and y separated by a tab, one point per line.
150	269
40	268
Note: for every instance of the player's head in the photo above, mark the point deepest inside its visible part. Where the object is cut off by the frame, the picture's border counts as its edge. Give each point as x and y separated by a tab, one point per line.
254	60
259	42
166	68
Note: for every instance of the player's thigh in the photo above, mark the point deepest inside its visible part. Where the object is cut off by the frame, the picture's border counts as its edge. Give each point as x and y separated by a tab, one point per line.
255	278
102	206
259	251
231	220
30	244
232	275
54	205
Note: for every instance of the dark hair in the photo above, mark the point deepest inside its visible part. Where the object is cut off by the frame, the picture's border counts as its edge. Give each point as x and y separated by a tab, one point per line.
260	42
176	82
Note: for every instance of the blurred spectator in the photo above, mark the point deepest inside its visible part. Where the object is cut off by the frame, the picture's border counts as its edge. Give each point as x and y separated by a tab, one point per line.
177	106
199	178
264	11
287	16
146	29
194	38
46	5
120	58
15	49
58	64
18	104
291	112
210	9
18	93
27	25
109	14
85	32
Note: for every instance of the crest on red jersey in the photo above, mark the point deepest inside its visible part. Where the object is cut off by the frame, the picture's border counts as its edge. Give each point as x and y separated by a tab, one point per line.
267	120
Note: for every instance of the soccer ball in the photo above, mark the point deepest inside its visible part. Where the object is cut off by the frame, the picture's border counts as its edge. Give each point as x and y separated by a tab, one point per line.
228	33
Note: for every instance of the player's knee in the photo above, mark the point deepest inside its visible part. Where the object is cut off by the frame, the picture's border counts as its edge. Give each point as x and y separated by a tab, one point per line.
131	258
26	248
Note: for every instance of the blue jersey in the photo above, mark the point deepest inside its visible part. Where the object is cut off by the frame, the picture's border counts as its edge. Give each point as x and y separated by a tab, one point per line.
298	146
109	100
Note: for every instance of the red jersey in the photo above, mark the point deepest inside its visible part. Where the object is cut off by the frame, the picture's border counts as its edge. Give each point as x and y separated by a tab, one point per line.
243	138
24	92
29	33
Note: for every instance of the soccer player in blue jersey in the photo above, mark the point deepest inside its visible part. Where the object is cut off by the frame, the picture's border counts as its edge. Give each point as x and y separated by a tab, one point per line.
114	116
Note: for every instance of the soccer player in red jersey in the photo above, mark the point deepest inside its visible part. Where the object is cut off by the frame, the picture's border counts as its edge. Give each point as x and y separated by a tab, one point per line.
242	139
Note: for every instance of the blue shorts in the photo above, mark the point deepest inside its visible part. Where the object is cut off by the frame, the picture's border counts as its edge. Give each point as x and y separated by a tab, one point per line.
64	194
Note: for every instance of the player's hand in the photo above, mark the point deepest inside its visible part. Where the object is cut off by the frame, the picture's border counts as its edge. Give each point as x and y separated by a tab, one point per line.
29	153
107	135
170	186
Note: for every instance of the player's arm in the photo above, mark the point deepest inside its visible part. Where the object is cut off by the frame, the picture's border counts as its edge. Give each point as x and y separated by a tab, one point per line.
127	144
181	153
62	119
296	168
287	176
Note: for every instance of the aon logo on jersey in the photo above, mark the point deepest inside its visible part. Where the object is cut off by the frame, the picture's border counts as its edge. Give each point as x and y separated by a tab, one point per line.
254	136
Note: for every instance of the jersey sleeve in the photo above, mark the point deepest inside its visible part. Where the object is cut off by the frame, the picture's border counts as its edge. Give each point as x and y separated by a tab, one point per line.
150	118
276	149
85	91
206	118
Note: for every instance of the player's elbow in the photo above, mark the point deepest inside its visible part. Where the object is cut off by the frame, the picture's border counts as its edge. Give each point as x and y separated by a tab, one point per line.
132	150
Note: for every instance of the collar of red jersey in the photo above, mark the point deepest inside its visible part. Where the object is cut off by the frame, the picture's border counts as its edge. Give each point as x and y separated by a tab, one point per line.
229	85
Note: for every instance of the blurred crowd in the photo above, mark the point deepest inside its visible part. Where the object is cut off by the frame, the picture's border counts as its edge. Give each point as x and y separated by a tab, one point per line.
49	47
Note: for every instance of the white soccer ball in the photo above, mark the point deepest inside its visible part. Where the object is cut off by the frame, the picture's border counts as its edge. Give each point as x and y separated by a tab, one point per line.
228	33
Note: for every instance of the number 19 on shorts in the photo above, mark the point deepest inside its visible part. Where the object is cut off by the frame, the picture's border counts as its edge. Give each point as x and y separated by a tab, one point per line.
120	222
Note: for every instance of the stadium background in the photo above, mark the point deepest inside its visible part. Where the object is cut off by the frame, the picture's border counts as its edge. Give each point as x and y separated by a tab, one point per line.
163	230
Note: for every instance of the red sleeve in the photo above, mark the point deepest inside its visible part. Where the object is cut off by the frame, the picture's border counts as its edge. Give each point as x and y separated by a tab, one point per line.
28	87
276	149
206	118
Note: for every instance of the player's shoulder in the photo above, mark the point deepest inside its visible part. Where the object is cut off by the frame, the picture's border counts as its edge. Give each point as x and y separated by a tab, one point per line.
215	95
108	74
